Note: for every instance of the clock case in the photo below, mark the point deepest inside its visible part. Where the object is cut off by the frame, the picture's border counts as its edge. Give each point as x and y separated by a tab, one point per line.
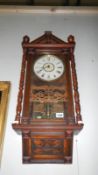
48	139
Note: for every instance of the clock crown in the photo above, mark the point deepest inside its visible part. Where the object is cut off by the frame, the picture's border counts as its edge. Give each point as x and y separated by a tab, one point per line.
48	32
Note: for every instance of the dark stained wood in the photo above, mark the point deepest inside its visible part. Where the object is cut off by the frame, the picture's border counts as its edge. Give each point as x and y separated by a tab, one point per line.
48	139
68	46
27	92
21	88
75	88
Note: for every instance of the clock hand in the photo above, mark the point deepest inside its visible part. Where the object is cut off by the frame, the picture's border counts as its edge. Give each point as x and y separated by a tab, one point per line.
40	70
47	66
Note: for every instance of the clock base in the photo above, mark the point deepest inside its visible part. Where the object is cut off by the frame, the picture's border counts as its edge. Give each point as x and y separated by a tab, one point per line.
47	147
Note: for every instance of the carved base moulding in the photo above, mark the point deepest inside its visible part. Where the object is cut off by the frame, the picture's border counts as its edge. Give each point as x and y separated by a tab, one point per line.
48	107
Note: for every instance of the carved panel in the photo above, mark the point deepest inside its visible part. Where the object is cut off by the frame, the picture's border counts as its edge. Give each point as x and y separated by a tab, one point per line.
48	94
47	146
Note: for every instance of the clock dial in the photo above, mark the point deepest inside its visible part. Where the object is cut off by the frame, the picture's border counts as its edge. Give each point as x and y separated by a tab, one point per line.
48	67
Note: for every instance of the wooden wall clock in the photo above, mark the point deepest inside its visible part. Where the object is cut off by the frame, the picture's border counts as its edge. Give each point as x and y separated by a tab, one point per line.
48	107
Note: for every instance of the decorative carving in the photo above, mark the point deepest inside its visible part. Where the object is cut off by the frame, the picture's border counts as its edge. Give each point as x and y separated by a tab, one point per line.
26	39
69	134
48	94
27	143
68	159
21	89
46	87
71	39
48	38
47	146
75	89
71	120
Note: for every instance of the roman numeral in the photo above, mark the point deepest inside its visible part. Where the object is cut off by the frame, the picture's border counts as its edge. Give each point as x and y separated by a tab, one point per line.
42	75
48	76
58	62
58	71
39	71
59	67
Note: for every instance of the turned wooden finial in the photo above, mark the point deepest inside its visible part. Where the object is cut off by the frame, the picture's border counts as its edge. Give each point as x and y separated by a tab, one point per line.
26	39
71	39
48	32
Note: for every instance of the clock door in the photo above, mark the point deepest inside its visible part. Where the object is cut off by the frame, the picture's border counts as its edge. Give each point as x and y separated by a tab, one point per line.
50	89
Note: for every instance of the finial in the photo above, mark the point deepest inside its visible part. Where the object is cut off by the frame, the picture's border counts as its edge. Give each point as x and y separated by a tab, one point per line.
26	39
71	39
48	32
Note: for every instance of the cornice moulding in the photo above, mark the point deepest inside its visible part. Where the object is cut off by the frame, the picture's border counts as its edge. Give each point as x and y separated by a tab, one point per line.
48	10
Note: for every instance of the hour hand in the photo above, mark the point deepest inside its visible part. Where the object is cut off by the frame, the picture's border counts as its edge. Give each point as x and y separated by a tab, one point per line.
41	68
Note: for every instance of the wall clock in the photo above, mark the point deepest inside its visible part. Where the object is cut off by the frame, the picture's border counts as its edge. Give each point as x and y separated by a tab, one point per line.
48	106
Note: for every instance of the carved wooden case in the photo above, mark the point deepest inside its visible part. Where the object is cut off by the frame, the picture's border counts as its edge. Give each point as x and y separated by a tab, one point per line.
48	112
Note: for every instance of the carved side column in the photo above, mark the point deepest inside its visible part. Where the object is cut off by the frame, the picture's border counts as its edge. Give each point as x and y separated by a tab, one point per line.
76	93
75	84
68	146
20	94
21	85
26	144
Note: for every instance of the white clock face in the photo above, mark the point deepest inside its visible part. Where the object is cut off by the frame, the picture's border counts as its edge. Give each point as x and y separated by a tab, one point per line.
48	67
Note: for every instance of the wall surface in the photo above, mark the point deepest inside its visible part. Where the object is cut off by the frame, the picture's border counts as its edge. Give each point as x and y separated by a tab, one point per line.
85	29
